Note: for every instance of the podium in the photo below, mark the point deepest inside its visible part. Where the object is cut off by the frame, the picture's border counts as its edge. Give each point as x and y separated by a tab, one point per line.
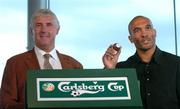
83	88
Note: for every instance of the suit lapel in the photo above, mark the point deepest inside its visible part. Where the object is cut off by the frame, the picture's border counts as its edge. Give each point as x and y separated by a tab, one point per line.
62	60
31	60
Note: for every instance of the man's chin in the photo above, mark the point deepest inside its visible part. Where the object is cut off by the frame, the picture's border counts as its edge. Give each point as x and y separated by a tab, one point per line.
44	46
146	48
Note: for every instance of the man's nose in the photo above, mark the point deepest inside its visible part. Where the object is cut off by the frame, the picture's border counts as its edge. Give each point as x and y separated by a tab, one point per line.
44	28
144	32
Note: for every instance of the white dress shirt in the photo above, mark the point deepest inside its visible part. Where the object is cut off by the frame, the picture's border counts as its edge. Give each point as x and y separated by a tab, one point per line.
53	60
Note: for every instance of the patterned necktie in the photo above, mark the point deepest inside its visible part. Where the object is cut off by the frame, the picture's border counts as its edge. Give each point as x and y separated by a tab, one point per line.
47	65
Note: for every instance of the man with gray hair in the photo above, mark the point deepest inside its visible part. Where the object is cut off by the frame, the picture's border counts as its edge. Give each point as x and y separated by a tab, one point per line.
44	27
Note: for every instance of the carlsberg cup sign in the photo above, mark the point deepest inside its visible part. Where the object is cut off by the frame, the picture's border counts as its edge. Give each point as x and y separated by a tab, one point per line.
79	89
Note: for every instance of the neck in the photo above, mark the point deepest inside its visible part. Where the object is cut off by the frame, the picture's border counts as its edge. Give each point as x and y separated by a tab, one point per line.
146	56
46	49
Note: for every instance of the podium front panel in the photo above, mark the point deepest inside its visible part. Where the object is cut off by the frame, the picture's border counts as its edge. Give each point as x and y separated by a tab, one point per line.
83	88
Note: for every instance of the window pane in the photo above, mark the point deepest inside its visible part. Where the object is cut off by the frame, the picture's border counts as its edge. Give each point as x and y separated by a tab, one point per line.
178	24
13	30
89	26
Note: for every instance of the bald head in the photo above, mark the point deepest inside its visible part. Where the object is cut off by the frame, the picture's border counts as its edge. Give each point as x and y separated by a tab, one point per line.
134	19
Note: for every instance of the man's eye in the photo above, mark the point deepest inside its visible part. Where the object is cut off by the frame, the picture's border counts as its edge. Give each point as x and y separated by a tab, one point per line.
38	25
49	24
149	27
136	30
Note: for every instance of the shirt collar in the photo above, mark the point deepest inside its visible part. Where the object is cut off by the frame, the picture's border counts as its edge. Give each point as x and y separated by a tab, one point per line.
155	58
40	52
157	55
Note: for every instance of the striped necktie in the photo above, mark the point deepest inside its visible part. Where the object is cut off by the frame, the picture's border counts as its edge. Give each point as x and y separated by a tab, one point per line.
47	65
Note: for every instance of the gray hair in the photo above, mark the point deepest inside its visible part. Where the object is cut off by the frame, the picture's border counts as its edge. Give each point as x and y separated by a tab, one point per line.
42	12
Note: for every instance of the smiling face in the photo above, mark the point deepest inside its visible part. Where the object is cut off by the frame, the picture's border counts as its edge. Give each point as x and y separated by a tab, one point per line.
45	28
142	34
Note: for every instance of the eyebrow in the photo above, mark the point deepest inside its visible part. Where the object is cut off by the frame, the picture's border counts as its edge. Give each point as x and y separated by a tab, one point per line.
136	28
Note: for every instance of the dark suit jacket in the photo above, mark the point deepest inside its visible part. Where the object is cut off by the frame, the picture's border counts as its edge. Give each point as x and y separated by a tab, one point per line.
13	82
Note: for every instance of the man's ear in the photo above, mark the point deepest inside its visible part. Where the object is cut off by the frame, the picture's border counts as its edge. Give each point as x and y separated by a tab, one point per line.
58	30
154	32
31	30
130	39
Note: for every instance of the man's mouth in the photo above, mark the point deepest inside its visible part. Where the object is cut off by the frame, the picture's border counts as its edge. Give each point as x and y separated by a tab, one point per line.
146	41
44	36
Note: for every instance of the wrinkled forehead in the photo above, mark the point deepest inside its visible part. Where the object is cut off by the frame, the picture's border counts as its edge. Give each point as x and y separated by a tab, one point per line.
43	18
140	21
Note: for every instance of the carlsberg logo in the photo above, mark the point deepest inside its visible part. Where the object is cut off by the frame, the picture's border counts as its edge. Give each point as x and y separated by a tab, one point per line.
64	89
79	89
